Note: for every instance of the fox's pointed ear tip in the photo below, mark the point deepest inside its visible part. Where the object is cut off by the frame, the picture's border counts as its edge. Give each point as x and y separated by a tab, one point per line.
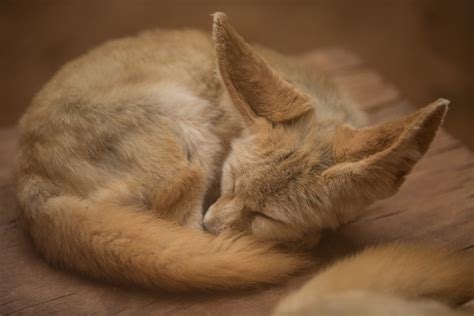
436	111
219	18
441	104
443	101
440	107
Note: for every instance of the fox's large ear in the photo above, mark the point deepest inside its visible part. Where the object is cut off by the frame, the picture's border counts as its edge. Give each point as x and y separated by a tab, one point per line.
371	163
256	90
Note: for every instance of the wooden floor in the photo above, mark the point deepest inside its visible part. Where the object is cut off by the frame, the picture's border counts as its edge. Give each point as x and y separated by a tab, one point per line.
436	204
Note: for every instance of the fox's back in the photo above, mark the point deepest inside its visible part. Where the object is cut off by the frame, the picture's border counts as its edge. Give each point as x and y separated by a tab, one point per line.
156	94
129	108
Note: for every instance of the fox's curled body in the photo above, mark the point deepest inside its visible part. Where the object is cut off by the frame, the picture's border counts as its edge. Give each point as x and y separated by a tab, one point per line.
125	147
122	146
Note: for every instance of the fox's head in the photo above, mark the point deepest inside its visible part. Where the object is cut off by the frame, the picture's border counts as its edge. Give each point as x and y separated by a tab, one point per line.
292	174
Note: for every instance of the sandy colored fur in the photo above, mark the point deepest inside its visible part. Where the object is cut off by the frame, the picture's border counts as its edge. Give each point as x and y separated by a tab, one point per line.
396	278
303	163
119	150
126	146
363	303
126	245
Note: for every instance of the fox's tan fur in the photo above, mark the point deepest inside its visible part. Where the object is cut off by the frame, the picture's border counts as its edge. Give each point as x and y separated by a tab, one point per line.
123	149
119	150
302	164
393	279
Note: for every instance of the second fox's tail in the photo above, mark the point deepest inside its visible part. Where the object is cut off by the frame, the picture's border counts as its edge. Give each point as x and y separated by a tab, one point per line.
394	272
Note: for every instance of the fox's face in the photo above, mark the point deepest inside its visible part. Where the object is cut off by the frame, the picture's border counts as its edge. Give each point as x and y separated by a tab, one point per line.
272	183
293	174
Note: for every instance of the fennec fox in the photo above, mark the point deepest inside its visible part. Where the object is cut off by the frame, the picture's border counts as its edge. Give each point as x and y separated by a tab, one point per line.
392	279
124	147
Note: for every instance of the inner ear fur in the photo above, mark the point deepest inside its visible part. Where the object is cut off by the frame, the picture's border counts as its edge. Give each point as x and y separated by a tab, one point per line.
416	130
373	161
255	88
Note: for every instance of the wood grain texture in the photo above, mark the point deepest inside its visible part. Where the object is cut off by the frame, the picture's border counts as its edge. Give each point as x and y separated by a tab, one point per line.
435	204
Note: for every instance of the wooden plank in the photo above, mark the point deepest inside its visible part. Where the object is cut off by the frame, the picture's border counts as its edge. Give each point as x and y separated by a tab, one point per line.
8	141
435	204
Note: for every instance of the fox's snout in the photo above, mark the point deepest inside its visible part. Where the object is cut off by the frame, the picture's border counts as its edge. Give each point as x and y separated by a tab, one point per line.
226	213
210	226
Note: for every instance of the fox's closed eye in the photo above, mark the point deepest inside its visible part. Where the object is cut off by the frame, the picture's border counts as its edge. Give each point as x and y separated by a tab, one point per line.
270	228
255	214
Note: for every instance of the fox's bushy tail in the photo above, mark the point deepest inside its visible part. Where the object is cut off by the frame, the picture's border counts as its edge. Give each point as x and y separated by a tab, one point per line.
124	245
394	273
407	270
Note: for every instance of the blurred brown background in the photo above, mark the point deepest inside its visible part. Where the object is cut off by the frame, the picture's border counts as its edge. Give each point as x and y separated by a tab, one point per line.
425	47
